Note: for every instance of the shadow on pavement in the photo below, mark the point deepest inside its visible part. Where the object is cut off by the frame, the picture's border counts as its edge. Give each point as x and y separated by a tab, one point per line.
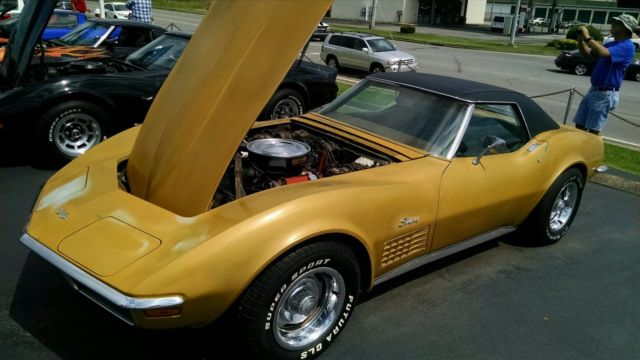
73	327
428	269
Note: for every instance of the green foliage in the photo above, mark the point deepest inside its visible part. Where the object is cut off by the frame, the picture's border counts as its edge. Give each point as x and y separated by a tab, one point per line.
563	44
567	44
594	32
407	28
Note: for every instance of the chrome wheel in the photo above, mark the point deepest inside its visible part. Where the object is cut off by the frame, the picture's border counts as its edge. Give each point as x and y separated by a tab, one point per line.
309	307
76	133
286	108
580	69
637	76
332	63
563	207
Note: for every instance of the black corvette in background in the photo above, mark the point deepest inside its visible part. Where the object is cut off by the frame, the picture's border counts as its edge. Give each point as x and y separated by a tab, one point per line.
576	63
63	111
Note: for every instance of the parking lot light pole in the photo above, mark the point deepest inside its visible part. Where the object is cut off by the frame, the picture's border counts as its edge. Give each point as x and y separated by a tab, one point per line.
101	6
372	22
514	25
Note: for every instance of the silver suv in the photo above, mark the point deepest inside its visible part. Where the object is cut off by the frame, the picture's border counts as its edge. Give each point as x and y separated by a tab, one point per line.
365	52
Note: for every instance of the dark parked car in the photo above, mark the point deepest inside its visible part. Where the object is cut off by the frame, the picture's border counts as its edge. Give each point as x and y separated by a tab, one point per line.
61	23
78	103
121	37
578	64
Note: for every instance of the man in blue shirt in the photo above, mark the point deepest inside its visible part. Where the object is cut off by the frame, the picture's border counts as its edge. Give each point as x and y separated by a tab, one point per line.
140	10
612	60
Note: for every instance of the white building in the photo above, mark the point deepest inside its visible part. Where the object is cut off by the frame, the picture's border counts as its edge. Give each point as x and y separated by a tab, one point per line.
443	12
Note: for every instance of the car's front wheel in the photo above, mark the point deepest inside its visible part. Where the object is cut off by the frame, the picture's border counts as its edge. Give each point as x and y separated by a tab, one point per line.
376	68
285	103
332	62
68	130
298	306
551	218
580	69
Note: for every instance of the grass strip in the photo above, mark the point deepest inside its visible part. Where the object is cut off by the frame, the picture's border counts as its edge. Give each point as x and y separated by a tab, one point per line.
192	6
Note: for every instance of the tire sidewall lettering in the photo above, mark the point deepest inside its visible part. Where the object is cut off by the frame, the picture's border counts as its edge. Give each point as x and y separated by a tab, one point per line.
322	343
57	119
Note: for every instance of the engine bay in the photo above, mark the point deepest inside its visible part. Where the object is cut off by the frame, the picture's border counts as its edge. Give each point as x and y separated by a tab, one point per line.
290	153
52	70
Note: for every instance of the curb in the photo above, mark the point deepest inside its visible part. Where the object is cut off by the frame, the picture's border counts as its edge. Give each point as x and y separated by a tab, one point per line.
617	182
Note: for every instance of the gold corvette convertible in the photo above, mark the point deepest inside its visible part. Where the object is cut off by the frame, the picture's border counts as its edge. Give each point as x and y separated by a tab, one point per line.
201	212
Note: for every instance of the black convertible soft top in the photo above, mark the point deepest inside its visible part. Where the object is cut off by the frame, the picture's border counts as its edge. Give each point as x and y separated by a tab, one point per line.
471	91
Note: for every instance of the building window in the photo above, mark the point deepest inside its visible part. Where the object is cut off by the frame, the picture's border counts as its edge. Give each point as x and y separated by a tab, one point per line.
599	17
568	15
584	16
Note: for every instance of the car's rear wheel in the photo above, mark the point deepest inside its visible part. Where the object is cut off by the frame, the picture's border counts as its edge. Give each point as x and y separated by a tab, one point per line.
551	218
376	68
332	62
636	76
298	306
285	103
68	130
580	69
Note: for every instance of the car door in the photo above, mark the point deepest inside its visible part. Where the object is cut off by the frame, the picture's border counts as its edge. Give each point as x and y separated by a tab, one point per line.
496	191
360	57
345	55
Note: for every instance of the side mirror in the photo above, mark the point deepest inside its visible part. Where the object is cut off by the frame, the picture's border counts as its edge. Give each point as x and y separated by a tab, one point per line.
493	145
365	49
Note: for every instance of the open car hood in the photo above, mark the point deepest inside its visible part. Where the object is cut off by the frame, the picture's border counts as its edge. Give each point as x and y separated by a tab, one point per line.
17	57
234	62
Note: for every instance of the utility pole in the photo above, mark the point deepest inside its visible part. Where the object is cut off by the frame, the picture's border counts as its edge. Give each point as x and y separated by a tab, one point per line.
553	17
372	21
514	25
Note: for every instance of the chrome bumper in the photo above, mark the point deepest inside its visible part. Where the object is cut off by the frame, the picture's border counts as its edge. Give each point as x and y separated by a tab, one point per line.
109	298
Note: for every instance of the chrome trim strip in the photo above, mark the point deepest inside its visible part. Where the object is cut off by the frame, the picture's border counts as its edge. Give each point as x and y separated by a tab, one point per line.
439	254
109	293
463	128
103	37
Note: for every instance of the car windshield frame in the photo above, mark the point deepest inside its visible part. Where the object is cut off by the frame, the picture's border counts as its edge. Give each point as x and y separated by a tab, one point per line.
380	45
413	117
160	54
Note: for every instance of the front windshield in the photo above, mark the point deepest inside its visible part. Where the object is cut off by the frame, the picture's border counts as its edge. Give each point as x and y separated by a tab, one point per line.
160	54
120	7
408	116
378	45
86	34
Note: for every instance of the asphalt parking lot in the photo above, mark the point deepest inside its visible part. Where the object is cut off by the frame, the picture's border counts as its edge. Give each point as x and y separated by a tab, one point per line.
574	300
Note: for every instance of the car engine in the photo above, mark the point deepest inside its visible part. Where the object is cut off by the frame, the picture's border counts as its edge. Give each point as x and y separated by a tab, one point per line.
288	154
54	70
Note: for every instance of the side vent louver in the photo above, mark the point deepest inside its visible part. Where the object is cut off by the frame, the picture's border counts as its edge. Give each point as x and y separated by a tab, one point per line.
403	246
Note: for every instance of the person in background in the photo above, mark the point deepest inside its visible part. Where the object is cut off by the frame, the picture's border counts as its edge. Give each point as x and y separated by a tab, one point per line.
612	60
140	10
79	5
